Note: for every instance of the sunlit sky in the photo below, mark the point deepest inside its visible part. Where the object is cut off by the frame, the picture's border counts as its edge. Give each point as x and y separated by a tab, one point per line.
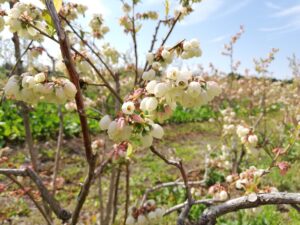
268	24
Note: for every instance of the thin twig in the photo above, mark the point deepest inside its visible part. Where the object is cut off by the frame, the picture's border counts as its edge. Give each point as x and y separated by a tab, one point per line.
61	213
58	148
20	58
92	49
30	195
127	192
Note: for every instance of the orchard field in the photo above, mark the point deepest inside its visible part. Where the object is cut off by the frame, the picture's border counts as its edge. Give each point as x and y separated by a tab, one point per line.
94	135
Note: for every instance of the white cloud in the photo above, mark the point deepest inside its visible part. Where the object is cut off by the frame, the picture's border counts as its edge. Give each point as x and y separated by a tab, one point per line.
219	38
289	27
236	7
291	11
272	5
203	11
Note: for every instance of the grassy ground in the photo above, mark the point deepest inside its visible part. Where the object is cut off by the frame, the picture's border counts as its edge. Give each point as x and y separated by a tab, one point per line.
187	141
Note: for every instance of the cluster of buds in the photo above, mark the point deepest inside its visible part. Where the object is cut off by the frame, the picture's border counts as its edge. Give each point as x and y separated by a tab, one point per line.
165	55
228	48
147	214
35	52
98	145
19	18
126	23
37	88
182	11
246	180
110	53
246	135
191	49
218	192
2	21
152	15
262	65
70	11
96	24
229	118
131	125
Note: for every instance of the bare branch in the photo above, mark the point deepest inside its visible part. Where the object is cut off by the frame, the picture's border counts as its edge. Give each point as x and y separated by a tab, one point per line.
91	159
169	184
30	195
179	165
20	58
209	217
46	196
90	47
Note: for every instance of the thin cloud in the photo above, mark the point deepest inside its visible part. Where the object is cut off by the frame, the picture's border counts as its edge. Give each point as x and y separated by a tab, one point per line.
235	8
219	38
204	11
293	25
272	5
291	11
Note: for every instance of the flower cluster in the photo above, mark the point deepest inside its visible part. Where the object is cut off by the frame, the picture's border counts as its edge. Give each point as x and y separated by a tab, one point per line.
182	11
147	214
191	49
156	102
34	89
19	18
165	56
96	24
246	135
218	192
110	53
70	11
247	179
121	129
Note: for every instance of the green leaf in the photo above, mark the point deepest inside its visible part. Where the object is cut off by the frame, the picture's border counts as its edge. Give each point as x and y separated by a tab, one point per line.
129	151
167	7
57	4
50	25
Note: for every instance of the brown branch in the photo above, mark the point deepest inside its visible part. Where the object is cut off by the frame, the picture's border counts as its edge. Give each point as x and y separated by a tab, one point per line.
179	165
169	184
127	192
91	159
171	29
86	59
175	208
209	217
45	194
58	148
30	195
90	47
115	203
133	35
18	61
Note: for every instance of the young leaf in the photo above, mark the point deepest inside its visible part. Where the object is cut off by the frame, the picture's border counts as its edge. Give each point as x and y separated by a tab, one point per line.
167	7
129	151
57	4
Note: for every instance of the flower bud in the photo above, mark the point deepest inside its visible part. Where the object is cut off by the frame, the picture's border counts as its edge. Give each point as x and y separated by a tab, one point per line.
149	75
70	89
104	122
40	77
157	131
128	108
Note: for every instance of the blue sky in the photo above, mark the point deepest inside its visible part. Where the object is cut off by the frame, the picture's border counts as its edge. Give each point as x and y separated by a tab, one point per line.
268	24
